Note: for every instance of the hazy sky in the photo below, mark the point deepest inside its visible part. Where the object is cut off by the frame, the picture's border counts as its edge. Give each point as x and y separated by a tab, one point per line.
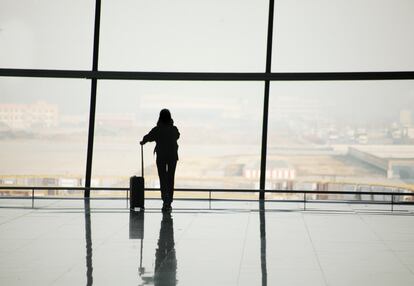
207	35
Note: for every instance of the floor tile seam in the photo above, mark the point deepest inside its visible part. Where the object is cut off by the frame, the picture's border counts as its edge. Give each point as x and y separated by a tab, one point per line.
111	234
32	210
30	241
75	263
46	232
314	251
180	238
243	248
72	265
98	244
386	245
25	245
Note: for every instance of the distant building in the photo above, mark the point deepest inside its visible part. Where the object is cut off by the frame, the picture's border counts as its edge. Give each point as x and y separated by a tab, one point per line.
275	170
408	132
405	118
25	116
361	136
397	162
291	108
115	120
74	120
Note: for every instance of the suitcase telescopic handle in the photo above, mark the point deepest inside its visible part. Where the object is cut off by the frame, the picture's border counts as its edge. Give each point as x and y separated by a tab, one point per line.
142	161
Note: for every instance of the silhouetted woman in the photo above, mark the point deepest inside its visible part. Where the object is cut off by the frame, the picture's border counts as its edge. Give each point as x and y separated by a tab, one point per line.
165	134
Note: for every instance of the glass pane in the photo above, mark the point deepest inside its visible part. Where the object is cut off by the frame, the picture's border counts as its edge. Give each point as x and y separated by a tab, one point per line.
43	132
219	122
184	35
343	35
46	34
346	136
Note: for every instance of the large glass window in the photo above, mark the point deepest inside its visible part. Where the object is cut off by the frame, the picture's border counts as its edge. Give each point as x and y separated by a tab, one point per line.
341	135
322	135
184	35
343	35
219	122
46	34
43	131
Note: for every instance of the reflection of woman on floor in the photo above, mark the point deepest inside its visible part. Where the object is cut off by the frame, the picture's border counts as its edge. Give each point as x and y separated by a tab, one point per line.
165	134
165	272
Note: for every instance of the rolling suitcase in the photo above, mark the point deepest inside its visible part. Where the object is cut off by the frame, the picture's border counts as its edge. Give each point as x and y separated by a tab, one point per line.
136	187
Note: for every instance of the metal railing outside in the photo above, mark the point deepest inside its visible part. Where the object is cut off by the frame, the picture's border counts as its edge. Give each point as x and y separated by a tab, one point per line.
304	194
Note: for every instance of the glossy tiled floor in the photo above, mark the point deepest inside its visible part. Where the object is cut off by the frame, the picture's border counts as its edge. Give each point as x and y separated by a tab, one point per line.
225	243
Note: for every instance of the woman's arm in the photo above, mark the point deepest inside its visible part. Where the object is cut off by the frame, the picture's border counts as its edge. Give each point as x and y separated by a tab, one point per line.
177	133
150	137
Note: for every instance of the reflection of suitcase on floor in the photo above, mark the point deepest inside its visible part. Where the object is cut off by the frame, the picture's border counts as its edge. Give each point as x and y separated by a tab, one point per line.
136	188
136	225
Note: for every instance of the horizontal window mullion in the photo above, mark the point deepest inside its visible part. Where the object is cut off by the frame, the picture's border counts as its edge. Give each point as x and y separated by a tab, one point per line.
200	76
